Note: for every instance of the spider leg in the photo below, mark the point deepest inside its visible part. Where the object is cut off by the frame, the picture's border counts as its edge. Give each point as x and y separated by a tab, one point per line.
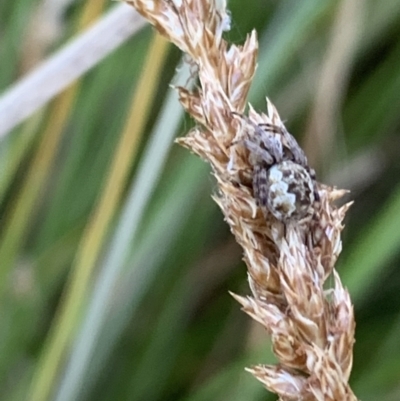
271	127
270	142
258	153
299	155
316	193
314	178
260	187
290	142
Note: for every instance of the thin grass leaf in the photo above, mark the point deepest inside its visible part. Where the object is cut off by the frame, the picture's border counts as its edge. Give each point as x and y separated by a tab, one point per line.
374	248
143	186
96	230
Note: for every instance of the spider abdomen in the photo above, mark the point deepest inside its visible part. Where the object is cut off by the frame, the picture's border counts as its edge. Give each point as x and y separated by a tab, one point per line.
285	189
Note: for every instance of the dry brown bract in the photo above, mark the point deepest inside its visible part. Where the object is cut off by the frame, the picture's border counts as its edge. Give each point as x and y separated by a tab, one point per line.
288	260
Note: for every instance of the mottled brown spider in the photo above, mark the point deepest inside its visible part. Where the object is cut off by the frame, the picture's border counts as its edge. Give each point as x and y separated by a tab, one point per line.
283	183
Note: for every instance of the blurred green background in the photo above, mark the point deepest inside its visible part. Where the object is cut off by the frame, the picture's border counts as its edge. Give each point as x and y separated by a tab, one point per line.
115	264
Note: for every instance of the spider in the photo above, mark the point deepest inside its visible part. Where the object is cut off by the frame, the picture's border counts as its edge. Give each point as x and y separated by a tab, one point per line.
283	183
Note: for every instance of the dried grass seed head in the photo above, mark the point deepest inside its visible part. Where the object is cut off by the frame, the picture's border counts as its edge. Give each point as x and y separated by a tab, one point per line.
279	265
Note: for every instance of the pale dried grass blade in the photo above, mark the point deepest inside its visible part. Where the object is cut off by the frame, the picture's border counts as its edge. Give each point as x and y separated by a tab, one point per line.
37	88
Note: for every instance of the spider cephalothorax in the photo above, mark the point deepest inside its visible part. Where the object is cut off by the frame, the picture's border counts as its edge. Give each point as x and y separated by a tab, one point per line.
283	183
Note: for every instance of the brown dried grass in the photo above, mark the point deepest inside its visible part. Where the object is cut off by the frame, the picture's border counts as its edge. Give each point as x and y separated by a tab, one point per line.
312	328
